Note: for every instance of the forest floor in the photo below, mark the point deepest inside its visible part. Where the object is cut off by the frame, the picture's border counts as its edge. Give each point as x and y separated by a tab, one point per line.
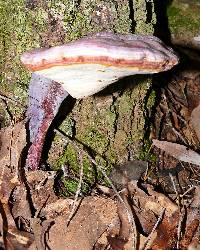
145	204
153	206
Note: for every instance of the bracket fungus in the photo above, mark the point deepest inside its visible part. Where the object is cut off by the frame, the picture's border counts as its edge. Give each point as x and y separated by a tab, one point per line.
82	68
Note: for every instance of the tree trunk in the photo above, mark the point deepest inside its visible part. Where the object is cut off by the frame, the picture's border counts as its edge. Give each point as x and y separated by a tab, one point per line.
112	124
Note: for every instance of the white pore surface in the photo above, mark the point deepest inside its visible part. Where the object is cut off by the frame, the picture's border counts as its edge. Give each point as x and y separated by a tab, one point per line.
81	80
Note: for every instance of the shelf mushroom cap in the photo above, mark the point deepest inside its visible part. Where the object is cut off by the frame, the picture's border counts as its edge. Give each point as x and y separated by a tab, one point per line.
88	65
82	68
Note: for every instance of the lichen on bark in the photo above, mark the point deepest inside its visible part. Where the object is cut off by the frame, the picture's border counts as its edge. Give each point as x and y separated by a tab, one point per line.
144	21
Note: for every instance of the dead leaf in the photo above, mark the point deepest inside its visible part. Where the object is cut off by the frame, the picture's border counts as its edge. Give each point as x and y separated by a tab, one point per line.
41	184
158	201
132	170
195	120
148	207
94	216
180	152
13	140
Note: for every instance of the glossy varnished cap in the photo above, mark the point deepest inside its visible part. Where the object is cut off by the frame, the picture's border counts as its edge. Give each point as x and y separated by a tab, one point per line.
88	65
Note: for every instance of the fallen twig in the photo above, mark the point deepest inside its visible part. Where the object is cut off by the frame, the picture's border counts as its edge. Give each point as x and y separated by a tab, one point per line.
174	185
181	213
74	205
9	99
100	168
187	191
152	231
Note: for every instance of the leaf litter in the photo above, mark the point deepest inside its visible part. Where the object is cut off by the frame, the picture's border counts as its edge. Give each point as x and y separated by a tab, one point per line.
33	217
141	213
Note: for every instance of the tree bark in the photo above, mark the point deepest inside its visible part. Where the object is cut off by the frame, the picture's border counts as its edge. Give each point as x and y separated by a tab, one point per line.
112	124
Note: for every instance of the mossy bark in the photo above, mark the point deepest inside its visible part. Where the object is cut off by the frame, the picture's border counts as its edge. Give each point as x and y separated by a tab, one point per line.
111	124
184	20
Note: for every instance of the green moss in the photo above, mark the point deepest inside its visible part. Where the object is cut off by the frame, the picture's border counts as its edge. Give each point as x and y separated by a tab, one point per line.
75	21
151	102
90	174
145	154
137	107
129	140
106	167
110	118
125	104
71	157
71	186
111	155
151	99
68	126
183	19
95	140
89	171
78	20
17	35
